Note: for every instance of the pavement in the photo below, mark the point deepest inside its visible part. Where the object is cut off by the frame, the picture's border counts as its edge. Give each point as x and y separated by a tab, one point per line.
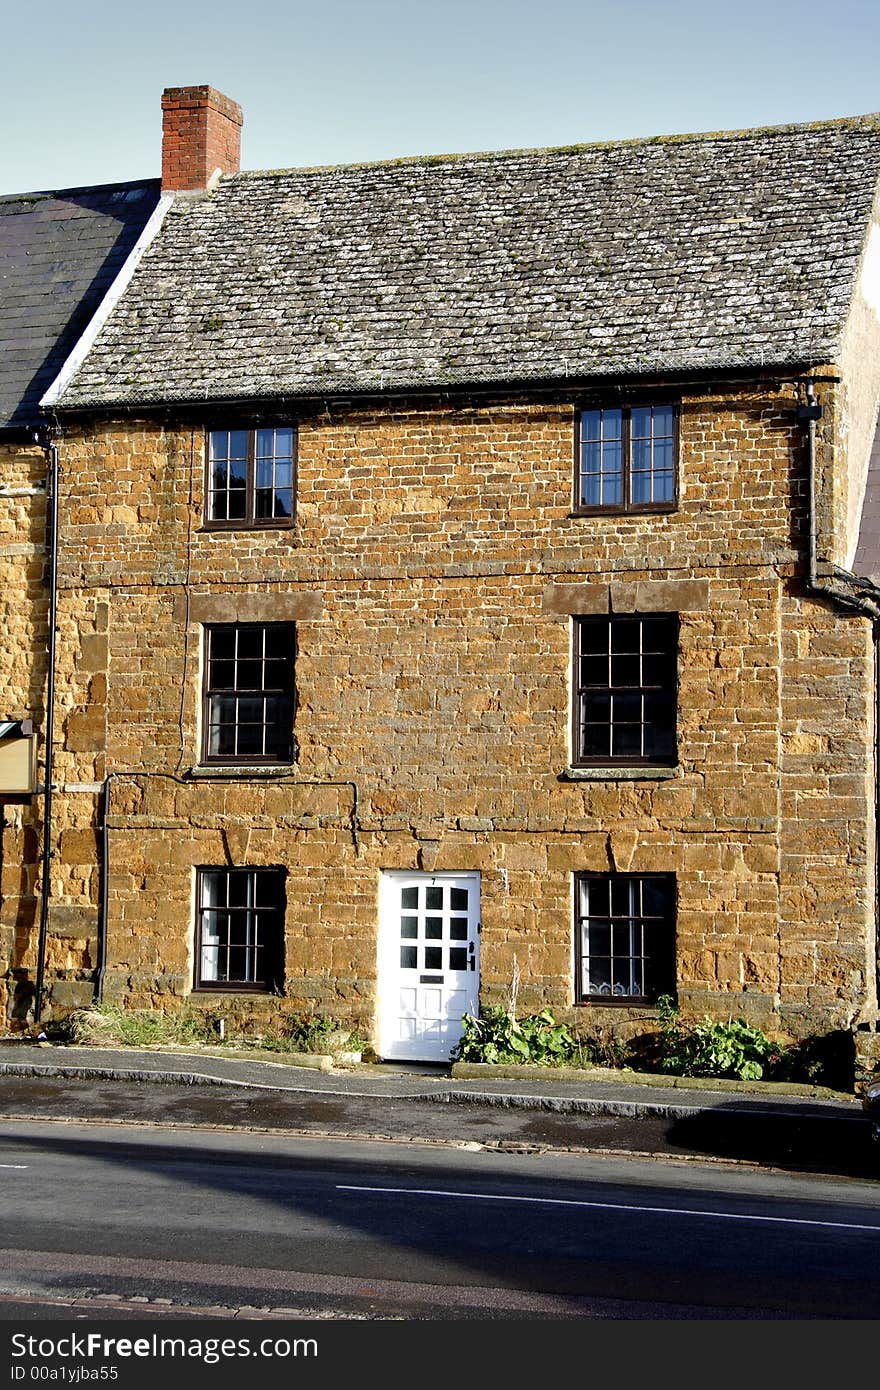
798	1127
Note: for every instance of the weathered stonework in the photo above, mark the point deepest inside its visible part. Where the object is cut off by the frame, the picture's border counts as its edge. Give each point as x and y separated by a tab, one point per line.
432	571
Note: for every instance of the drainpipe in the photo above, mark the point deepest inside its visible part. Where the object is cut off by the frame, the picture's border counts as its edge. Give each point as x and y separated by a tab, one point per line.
52	529
105	876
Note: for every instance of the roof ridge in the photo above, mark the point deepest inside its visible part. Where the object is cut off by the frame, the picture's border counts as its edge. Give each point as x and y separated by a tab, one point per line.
33	194
869	121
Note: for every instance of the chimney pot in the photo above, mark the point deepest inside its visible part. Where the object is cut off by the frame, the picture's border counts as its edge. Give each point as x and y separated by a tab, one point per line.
201	132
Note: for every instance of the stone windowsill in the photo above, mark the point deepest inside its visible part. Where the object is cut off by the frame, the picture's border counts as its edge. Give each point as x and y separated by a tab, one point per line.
237	770
618	774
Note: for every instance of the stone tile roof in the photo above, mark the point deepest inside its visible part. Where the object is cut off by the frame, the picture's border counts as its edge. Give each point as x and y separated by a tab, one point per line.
667	255
59	253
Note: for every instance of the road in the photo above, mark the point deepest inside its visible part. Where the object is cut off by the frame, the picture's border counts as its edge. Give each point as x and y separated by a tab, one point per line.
309	1227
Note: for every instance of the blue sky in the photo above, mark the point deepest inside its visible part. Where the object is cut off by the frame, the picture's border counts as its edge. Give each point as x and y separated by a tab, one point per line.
333	81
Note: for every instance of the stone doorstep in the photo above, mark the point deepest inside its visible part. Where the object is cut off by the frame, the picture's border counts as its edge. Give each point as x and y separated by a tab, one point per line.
489	1071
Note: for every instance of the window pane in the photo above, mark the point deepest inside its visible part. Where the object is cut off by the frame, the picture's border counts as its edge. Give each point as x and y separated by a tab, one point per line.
238	444
626	741
283	502
663	420
591	456
599	938
598	977
624	897
640	488
222	675
664	487
595	897
265	444
612	424
218	506
626	635
595	707
213	890
264	473
656	897
238	473
640	422
250	642
593	636
658	670
218	445
612	491
591	490
263	503
591	424
284	442
626	670
236	506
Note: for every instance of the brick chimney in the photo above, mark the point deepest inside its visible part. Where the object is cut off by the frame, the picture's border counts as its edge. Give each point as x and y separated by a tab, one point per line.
201	132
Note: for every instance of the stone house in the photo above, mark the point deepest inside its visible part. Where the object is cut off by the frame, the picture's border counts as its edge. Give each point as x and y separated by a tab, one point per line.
463	565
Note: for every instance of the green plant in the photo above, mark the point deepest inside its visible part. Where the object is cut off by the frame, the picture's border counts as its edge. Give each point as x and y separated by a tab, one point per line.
498	1036
732	1049
310	1032
107	1024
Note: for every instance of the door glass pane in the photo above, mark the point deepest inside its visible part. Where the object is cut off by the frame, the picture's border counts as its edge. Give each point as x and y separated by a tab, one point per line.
458	928
409	928
433	957
408	957
434	899
434	928
458	958
409	897
458	899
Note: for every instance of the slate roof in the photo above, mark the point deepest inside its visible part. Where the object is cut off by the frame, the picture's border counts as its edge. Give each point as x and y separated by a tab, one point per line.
667	255
59	253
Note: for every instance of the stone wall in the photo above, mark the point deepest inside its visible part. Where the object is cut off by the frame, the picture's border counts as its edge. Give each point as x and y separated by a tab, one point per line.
433	572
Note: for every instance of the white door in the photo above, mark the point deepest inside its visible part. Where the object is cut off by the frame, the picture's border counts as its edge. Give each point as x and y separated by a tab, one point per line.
429	962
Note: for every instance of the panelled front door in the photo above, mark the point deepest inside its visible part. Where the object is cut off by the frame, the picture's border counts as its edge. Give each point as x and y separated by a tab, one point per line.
429	962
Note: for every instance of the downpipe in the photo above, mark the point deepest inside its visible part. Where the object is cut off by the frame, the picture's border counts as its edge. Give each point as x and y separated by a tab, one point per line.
45	884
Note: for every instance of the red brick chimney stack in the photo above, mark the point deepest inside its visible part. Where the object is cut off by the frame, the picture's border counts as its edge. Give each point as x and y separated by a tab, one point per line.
201	132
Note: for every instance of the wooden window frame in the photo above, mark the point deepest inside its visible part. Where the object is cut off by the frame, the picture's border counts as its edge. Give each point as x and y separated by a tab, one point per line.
250	521
272	978
581	759
664	959
626	506
209	693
